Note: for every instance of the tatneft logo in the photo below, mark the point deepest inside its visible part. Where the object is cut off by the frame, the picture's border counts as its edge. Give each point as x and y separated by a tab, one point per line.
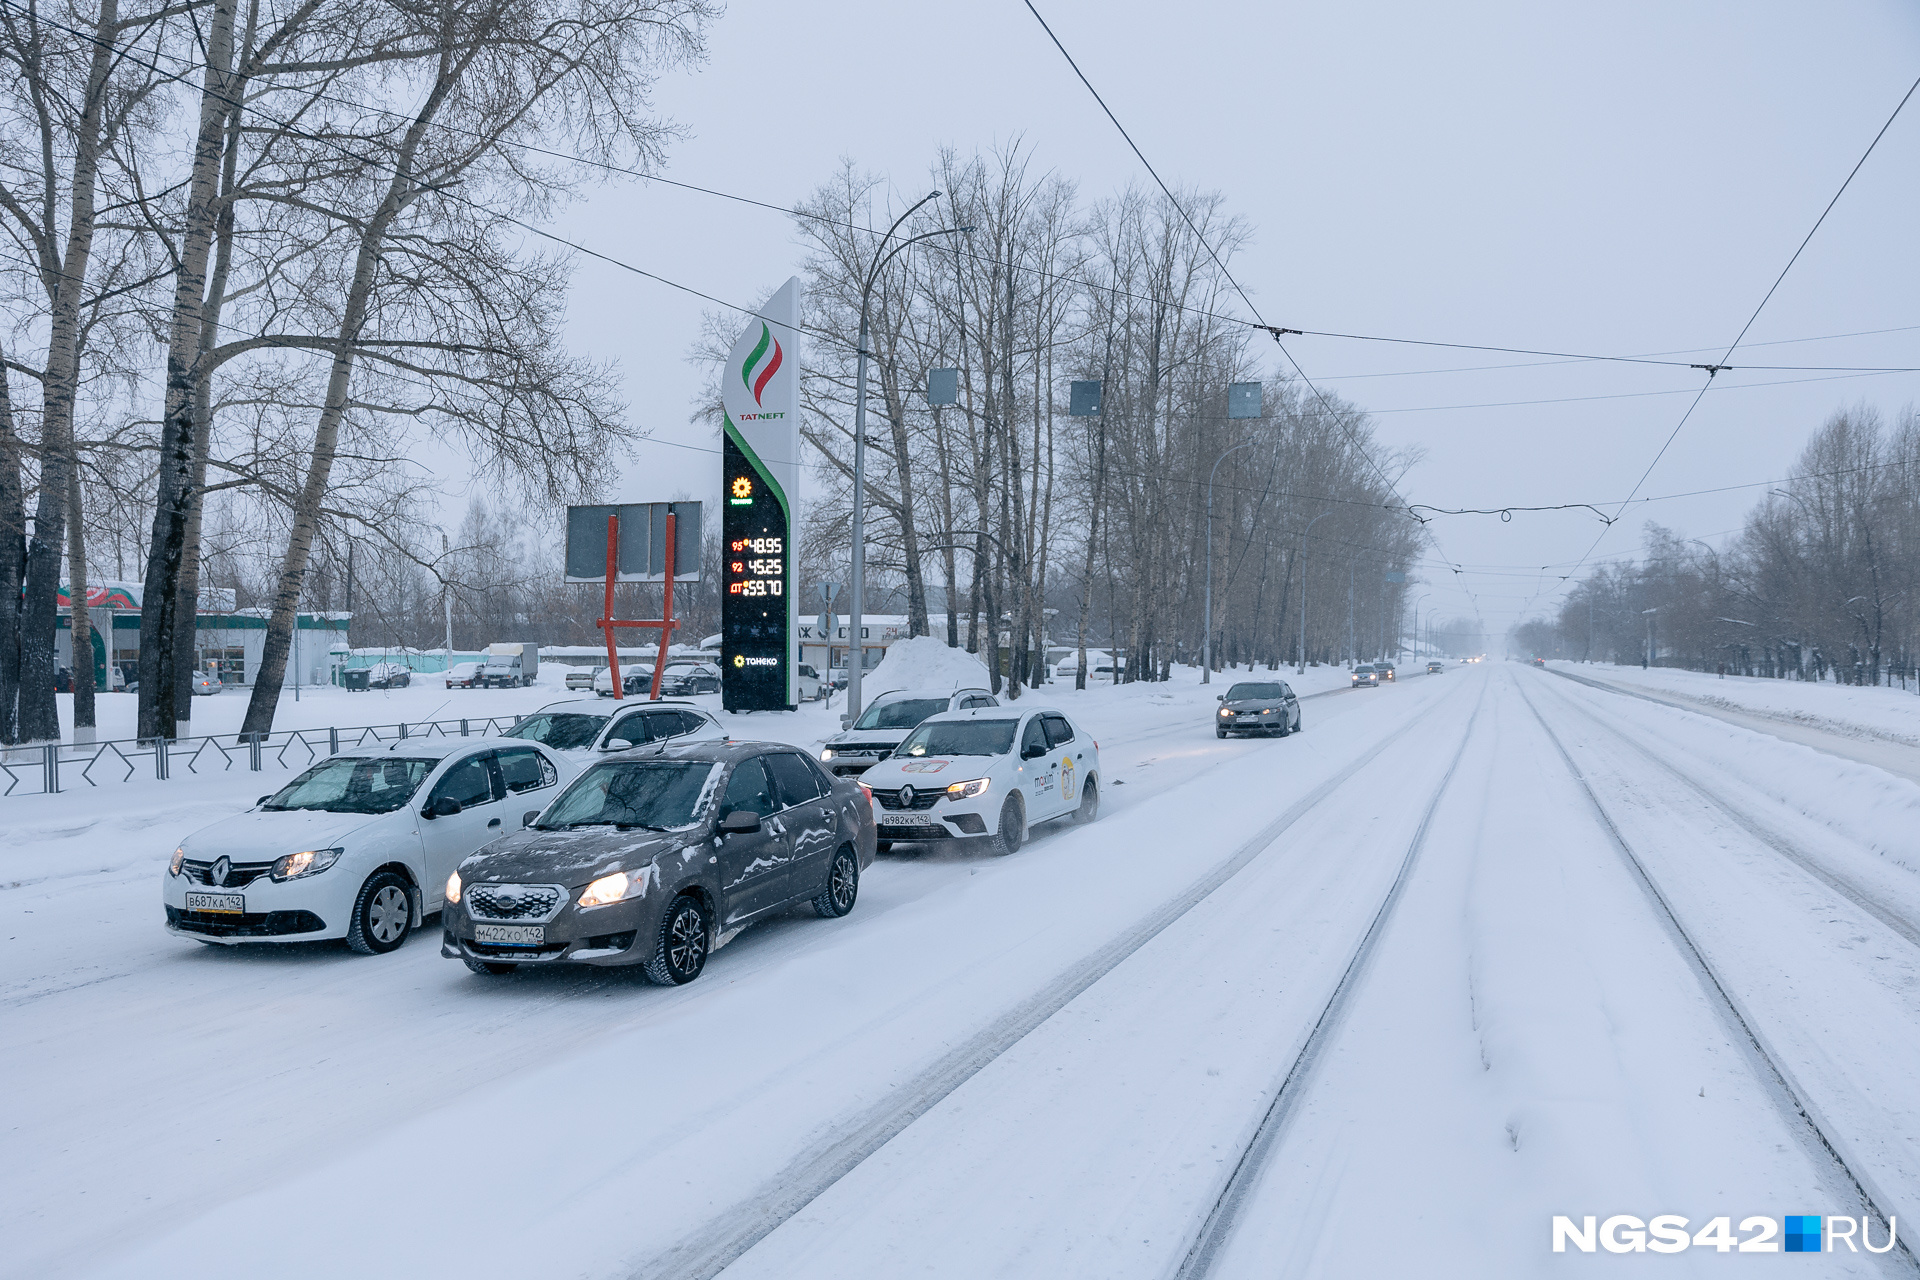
760	366
1667	1233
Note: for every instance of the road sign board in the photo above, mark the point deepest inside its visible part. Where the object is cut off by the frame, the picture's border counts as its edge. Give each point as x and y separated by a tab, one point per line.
642	554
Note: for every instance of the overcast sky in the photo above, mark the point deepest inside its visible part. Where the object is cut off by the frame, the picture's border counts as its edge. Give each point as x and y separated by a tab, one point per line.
1623	179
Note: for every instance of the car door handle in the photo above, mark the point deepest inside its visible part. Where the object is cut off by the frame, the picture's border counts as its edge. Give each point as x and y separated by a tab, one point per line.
494	823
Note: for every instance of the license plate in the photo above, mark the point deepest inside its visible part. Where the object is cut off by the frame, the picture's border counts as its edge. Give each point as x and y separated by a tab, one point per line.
232	904
906	820
512	935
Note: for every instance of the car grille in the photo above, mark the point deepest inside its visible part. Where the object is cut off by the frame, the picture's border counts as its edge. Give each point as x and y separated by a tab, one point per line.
513	901
889	798
239	874
862	748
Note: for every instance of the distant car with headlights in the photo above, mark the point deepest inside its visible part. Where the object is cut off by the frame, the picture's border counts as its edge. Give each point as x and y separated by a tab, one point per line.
1434	668
463	675
1365	677
1257	706
658	858
886	722
359	846
991	772
1384	670
1539	662
205	684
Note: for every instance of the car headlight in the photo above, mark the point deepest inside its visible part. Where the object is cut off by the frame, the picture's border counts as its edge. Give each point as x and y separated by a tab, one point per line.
968	790
1225	712
614	887
453	887
308	862
179	857
826	753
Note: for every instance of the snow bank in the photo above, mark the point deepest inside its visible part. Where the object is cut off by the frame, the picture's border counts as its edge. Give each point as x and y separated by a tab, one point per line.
922	662
1886	713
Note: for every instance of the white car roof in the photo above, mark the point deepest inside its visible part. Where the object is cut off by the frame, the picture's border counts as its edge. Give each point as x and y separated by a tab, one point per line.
435	748
994	713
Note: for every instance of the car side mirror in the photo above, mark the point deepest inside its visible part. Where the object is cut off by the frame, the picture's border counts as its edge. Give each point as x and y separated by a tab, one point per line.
1032	753
1221	698
444	807
265	798
740	822
526	819
617	744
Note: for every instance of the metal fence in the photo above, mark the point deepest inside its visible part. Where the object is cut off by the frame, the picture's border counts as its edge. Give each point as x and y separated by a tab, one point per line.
47	768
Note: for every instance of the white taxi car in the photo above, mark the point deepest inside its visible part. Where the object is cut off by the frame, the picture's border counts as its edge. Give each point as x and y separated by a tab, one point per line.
987	771
357	847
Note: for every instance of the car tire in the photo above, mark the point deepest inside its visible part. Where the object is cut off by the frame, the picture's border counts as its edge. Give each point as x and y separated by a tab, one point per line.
1218	732
1089	803
681	951
1286	727
843	886
1299	724
1012	831
382	918
490	968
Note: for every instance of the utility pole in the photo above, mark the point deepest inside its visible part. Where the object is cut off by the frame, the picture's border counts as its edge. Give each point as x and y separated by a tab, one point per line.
1350	653
1648	661
1206	640
446	599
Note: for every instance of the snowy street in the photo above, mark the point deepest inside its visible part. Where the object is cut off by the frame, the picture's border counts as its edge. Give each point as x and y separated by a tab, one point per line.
1399	986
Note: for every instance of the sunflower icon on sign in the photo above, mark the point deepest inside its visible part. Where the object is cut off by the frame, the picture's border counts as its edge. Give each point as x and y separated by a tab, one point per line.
739	660
742	487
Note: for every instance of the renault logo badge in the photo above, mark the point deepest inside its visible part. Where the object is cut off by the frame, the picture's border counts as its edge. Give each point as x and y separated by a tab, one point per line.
906	797
217	873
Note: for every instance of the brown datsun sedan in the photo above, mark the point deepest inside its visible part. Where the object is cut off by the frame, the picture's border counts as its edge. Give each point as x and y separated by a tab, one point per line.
660	855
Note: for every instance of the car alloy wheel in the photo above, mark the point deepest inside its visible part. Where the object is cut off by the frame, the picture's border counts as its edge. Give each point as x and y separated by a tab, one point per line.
681	952
1089	803
1013	826
843	886
382	915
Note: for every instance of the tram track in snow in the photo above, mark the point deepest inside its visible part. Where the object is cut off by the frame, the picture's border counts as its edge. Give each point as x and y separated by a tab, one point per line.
813	1173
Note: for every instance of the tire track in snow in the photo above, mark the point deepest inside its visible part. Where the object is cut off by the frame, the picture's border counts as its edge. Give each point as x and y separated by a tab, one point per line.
811	1174
1787	1096
1218	1226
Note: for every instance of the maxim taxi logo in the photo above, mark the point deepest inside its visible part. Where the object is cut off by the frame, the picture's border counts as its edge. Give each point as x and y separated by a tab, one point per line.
760	366
1667	1233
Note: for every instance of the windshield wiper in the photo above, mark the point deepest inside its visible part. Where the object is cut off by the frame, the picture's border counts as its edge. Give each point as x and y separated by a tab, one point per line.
642	826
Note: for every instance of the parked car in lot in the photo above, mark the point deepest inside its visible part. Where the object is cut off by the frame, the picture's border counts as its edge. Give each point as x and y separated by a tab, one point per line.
613	873
204	684
887	721
389	675
581	727
1434	668
808	684
1365	676
464	675
1539	662
1258	706
683	679
510	665
637	678
582	677
358	847
992	772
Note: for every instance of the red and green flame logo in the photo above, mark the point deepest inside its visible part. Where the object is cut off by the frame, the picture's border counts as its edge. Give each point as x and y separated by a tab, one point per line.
760	366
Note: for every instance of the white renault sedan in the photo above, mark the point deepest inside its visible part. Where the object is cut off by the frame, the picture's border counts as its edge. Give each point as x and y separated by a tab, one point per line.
990	771
359	846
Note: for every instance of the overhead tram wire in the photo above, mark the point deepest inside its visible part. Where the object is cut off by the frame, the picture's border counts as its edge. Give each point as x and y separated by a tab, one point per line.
1721	363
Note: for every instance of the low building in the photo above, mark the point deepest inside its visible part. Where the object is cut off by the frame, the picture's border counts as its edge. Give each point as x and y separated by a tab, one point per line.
228	642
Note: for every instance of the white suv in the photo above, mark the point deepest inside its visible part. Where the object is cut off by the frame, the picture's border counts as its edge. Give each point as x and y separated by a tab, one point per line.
986	772
887	721
581	728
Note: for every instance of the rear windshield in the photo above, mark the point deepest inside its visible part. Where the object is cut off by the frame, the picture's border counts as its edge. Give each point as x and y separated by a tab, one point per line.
656	794
1255	692
903	713
960	738
561	730
353	784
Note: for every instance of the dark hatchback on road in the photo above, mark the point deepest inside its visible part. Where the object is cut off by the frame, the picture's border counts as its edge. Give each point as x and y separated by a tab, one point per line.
658	856
1258	706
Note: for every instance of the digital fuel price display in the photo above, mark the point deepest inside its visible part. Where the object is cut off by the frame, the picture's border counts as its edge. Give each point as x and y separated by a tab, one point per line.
756	581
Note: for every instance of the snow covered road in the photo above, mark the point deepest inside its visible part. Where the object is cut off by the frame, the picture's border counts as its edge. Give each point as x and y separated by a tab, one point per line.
1056	1063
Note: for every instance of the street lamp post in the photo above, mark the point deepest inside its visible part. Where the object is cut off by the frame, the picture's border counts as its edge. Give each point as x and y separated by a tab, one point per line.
856	654
1303	588
1649	616
1206	640
1423	598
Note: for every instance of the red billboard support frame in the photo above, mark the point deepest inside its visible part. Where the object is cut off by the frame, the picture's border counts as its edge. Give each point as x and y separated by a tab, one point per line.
665	623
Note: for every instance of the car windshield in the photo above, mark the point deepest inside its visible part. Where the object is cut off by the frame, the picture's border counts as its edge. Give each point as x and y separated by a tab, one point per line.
1363	671
1254	693
655	794
561	730
960	738
902	713
353	784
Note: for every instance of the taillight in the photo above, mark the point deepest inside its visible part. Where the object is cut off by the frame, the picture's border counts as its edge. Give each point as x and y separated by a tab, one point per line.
866	791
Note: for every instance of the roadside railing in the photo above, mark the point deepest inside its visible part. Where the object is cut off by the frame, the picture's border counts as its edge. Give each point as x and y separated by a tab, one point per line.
52	767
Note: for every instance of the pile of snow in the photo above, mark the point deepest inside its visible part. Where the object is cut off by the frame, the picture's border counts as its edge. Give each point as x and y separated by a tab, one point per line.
922	662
